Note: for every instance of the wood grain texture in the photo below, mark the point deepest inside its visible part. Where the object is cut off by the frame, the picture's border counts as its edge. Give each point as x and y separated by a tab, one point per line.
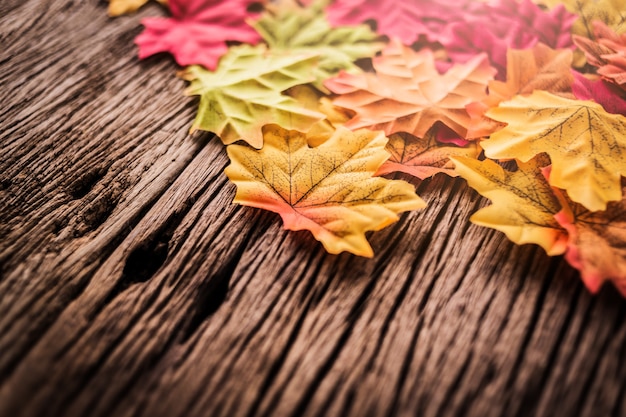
131	286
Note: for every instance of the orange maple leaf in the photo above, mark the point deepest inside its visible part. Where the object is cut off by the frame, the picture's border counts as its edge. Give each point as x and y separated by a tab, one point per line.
329	189
407	93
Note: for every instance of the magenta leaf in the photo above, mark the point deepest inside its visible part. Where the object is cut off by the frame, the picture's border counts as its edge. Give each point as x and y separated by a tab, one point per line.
606	94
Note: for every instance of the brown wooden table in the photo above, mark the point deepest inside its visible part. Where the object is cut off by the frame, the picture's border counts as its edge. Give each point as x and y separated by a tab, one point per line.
131	286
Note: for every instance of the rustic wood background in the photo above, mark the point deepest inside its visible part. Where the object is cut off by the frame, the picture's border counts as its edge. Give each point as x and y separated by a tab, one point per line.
131	286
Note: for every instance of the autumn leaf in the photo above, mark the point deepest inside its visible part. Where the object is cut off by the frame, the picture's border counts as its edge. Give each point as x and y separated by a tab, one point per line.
504	24
608	95
611	12
597	243
244	93
523	202
538	68
329	190
423	157
197	32
289	28
120	7
586	144
407	94
607	52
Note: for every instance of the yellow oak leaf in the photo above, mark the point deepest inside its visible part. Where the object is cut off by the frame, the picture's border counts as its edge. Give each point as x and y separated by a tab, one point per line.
329	190
587	145
120	7
597	243
407	93
423	157
523	206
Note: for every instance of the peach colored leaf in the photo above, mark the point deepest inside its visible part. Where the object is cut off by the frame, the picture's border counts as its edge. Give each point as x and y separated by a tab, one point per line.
244	93
586	144
290	28
523	202
608	95
329	190
597	243
607	52
120	7
480	125
197	32
423	157
407	94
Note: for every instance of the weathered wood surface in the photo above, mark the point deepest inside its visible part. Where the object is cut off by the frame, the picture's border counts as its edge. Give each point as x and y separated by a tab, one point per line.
130	286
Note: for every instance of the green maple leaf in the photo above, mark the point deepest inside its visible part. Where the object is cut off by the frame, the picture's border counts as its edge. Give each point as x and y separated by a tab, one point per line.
245	93
290	28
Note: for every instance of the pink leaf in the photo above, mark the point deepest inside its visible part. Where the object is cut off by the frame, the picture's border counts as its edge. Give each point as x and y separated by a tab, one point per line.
602	92
505	24
401	19
197	31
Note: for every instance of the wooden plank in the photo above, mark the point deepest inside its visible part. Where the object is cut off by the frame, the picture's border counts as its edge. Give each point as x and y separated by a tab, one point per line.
130	285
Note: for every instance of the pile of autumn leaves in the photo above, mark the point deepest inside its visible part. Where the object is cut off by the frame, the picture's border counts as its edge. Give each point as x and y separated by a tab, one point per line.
524	101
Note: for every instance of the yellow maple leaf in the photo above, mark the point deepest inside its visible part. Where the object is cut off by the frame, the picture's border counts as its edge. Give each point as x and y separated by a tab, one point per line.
120	7
586	144
329	190
523	202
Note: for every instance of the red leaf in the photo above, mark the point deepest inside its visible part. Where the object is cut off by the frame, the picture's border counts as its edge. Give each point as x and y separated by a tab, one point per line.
197	31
